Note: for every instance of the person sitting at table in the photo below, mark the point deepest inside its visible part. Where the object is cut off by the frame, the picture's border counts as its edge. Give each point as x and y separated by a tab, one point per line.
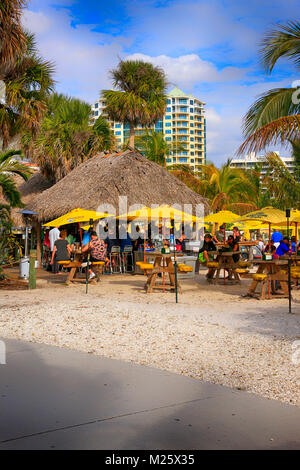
204	256
284	247
277	237
233	246
270	247
97	249
61	251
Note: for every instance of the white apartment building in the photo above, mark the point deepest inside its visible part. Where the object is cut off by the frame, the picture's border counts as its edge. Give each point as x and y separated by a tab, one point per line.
252	159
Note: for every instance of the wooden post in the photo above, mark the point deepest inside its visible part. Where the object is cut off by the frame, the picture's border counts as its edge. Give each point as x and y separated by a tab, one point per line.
32	273
38	244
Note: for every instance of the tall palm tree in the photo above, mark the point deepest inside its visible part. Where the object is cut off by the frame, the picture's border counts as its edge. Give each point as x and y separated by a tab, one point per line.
275	115
13	41
9	167
153	145
140	95
65	139
28	84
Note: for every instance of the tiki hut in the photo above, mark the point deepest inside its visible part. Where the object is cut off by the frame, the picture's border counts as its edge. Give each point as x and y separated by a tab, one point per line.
102	179
29	190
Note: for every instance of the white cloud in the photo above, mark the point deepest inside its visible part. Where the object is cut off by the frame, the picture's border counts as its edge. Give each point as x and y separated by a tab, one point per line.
82	57
188	70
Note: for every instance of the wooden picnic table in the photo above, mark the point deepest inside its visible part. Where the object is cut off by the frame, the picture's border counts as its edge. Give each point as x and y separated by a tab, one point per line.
272	268
162	264
75	265
225	262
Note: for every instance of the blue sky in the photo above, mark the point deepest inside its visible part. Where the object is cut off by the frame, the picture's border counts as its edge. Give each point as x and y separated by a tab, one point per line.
208	48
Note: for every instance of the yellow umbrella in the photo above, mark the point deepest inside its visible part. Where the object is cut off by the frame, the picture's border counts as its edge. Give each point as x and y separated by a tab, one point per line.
268	215
222	217
76	216
160	212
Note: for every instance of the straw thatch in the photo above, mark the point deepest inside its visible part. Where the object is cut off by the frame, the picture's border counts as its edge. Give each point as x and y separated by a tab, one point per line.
29	190
104	178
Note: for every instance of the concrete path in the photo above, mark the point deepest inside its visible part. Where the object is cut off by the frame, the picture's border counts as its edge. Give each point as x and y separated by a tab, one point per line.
52	398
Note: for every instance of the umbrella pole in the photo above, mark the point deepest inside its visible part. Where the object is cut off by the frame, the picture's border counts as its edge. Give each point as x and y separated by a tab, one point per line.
175	265
269	282
88	261
80	233
164	278
224	247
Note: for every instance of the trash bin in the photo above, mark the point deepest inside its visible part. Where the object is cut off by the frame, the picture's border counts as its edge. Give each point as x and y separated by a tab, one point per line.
24	268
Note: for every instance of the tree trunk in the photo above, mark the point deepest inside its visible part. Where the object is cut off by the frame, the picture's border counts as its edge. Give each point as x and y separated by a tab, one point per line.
131	136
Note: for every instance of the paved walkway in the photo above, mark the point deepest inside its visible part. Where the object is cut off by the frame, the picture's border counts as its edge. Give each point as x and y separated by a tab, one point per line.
52	398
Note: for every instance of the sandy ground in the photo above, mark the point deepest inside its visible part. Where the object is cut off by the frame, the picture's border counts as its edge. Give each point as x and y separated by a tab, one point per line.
213	333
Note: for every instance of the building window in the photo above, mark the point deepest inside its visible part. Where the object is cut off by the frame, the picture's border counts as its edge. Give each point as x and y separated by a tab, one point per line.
191	117
118	126
191	102
168	117
182	160
168	160
168	124
168	131
96	105
191	131
118	133
168	109
168	138
96	113
192	124
191	110
192	139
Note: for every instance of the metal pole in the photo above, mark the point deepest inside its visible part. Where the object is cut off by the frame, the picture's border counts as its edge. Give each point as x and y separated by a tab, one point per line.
175	263
289	262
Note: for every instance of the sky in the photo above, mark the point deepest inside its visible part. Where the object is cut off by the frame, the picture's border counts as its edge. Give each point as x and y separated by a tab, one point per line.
209	48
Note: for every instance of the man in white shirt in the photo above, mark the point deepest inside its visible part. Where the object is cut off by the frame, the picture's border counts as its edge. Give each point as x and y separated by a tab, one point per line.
53	236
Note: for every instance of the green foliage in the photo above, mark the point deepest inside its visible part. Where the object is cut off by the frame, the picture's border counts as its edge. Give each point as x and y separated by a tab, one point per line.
139	96
153	145
275	116
66	139
28	83
9	167
8	242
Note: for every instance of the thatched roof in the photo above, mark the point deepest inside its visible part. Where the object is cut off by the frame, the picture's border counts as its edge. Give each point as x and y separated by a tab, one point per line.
104	178
29	190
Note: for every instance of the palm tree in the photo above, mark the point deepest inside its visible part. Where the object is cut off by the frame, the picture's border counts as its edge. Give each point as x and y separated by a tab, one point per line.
153	145
28	84
275	116
225	186
66	139
9	167
140	95
13	41
102	130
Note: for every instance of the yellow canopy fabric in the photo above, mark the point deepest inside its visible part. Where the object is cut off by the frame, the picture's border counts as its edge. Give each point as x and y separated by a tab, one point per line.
295	218
222	217
268	215
161	212
76	216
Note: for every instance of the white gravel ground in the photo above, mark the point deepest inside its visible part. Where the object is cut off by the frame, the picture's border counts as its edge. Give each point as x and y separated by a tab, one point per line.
212	334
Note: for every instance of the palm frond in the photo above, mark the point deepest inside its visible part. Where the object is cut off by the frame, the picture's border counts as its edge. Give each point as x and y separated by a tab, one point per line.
280	130
281	41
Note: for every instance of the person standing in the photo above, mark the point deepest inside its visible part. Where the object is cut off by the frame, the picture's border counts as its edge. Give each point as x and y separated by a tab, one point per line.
53	236
61	252
276	237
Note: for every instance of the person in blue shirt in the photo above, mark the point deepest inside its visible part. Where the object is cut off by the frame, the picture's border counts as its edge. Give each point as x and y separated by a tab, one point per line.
276	237
293	244
283	247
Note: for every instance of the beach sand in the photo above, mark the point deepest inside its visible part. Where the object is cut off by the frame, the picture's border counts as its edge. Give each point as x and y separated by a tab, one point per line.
213	333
